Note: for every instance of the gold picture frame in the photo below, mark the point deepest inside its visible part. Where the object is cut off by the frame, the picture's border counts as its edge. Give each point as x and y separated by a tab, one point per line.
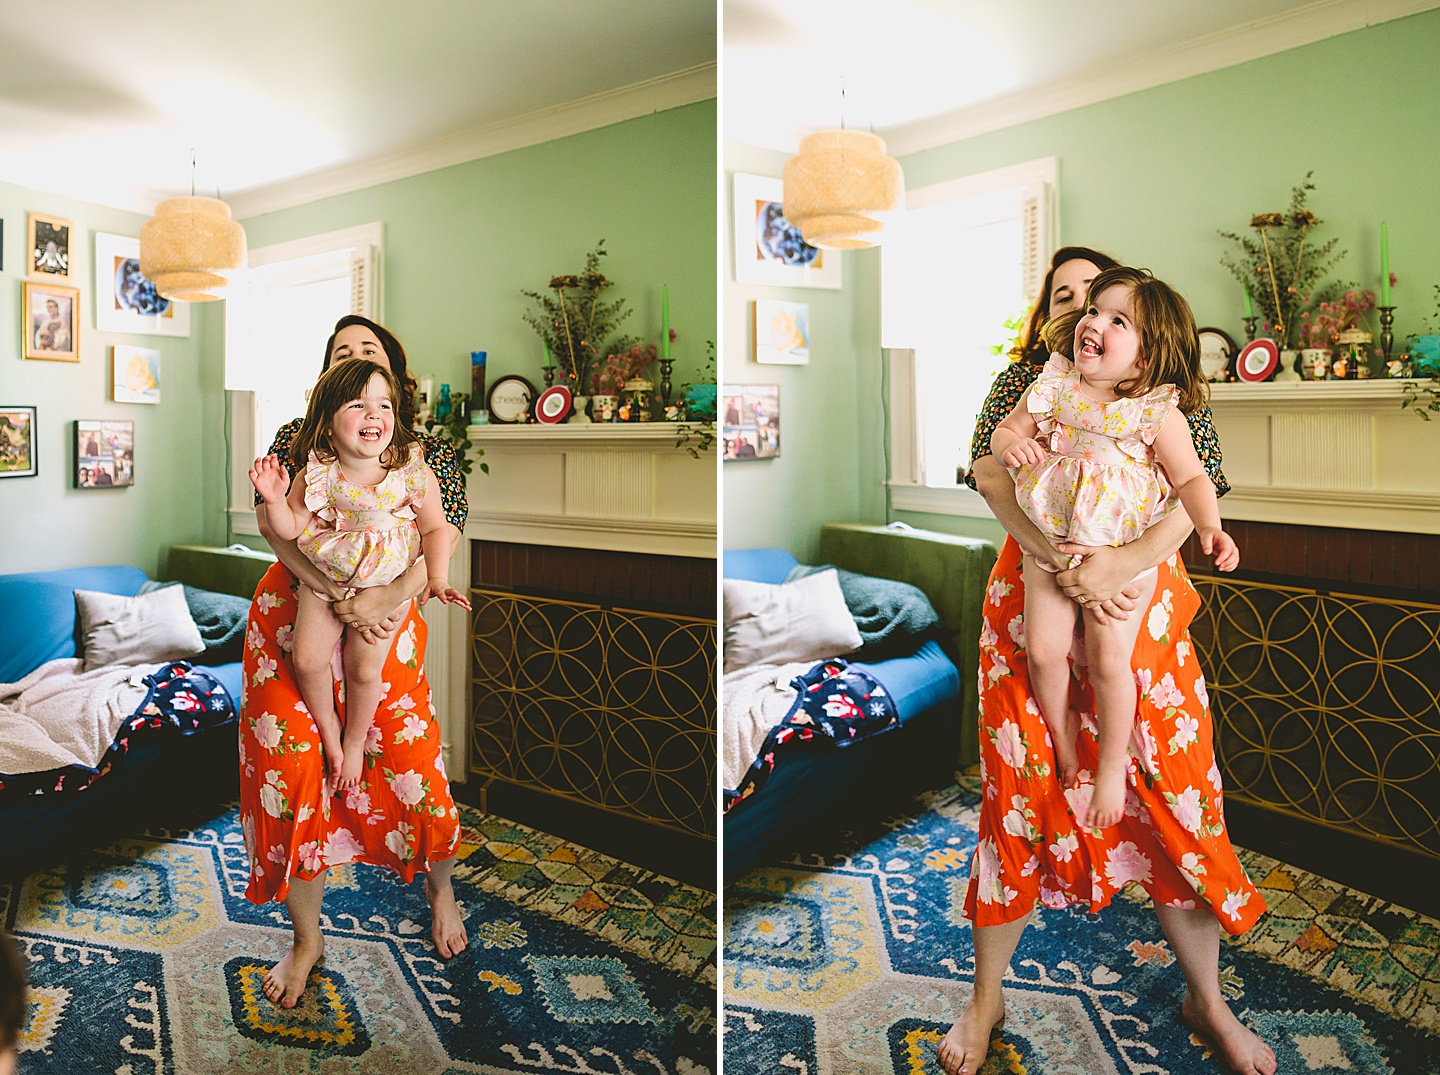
52	243
50	321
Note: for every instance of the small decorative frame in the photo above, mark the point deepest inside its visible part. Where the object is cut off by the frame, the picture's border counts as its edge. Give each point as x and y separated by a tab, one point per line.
18	458
134	374
104	454
782	332
50	322
1258	360
768	248
751	422
127	302
48	254
1217	354
510	400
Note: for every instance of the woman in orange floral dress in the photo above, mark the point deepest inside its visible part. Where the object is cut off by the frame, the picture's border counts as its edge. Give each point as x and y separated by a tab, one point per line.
1031	847
401	815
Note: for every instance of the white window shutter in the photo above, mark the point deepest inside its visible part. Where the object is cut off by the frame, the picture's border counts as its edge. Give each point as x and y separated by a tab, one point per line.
239	323
1037	236
362	281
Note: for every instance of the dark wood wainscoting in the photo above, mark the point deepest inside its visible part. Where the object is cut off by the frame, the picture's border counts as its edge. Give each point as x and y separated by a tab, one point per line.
593	699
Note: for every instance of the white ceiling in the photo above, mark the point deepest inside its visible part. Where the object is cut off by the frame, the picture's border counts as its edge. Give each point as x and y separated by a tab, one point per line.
104	101
923	73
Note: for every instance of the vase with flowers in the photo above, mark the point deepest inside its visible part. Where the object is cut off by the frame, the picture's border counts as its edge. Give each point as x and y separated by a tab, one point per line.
1336	325
1283	268
576	323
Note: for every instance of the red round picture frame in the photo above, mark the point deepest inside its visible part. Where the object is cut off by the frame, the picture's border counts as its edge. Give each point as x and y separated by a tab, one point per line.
1257	361
554	405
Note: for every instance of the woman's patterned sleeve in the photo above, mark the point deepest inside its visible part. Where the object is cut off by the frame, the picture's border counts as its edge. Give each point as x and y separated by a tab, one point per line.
284	437
1207	447
440	454
1004	394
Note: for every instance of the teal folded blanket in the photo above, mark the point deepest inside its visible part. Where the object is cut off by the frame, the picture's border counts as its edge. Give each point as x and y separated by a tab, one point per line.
221	618
884	610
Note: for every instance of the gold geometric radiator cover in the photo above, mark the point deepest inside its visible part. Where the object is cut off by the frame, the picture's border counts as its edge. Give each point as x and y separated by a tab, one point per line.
1327	706
614	708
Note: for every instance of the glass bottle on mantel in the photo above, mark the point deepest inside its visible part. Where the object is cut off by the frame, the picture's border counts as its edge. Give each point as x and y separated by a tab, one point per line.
1351	354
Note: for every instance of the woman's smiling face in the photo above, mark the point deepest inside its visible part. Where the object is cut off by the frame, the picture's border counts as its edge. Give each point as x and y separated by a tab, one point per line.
357	341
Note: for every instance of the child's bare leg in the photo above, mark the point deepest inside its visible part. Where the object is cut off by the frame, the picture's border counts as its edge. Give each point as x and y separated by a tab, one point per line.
316	632
1049	628
364	664
1108	648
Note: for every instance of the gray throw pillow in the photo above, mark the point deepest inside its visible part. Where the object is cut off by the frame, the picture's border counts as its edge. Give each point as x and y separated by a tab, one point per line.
804	620
149	629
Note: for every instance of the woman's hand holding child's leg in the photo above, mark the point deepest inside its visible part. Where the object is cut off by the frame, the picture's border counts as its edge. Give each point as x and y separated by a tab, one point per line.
1049	629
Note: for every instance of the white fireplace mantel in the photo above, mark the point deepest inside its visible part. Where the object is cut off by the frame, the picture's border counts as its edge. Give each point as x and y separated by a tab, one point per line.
1328	453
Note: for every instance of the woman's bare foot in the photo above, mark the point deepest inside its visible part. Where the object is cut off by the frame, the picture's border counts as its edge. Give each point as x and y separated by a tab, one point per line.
1107	803
967	1043
286	980
447	924
1240	1050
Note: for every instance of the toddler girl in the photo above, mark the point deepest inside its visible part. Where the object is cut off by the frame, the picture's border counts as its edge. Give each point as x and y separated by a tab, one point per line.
366	507
1102	451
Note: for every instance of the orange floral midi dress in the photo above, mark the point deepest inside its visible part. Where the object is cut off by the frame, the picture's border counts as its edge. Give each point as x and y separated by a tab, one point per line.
401	815
1172	838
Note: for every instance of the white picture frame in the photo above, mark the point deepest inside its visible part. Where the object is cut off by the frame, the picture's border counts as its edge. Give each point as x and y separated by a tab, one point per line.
768	248
782	332
122	295
134	374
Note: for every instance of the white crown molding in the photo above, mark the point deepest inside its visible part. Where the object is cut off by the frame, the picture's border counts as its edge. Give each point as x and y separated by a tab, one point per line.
1240	44
545	125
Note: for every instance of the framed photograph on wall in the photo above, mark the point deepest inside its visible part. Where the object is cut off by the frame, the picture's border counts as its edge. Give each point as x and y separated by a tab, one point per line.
49	250
104	454
127	302
17	443
134	374
768	248
49	323
782	332
750	422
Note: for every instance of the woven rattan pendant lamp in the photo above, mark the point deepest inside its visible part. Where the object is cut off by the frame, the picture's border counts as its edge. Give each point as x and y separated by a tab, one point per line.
190	245
837	184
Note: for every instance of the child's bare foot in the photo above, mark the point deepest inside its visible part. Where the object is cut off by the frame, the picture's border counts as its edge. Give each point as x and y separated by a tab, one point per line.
967	1043
1240	1050
447	928
349	774
1062	735
1107	802
286	980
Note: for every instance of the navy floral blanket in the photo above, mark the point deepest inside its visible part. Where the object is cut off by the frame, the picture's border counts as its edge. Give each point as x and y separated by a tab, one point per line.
834	702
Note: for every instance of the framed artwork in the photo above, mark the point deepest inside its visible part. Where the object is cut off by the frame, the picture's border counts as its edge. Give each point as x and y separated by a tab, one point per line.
17	443
49	323
49	250
750	422
134	374
768	248
782	332
510	399
104	454
1217	354
127	302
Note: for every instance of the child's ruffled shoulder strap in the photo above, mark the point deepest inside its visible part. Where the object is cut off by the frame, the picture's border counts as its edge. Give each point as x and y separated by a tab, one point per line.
1155	408
415	471
1045	391
318	481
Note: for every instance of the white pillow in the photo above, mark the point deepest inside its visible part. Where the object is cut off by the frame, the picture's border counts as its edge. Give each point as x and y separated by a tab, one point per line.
804	620
148	629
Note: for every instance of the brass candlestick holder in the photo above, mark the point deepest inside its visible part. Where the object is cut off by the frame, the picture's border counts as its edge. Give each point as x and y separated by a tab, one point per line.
1387	323
1250	323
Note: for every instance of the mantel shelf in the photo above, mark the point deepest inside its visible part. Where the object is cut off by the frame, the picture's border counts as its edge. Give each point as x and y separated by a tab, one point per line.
1307	395
594	436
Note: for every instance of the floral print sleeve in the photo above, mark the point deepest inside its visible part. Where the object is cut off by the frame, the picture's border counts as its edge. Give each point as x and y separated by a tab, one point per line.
439	453
1010	385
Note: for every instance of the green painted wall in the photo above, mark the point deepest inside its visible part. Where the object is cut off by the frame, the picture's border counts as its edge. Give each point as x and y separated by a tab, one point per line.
830	414
178	495
1152	175
461	242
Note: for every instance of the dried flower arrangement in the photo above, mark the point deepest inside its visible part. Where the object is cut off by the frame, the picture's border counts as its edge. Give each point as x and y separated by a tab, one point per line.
1283	277
1333	318
623	366
575	324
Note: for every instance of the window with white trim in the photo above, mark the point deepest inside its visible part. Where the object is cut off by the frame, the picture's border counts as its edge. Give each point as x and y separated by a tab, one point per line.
965	257
278	314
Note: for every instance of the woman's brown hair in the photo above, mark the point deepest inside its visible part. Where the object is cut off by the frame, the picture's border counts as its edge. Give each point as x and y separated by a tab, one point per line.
399	366
1169	340
1027	347
337	386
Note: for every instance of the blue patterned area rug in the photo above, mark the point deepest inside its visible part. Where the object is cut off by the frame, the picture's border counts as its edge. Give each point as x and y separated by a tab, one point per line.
145	958
857	964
